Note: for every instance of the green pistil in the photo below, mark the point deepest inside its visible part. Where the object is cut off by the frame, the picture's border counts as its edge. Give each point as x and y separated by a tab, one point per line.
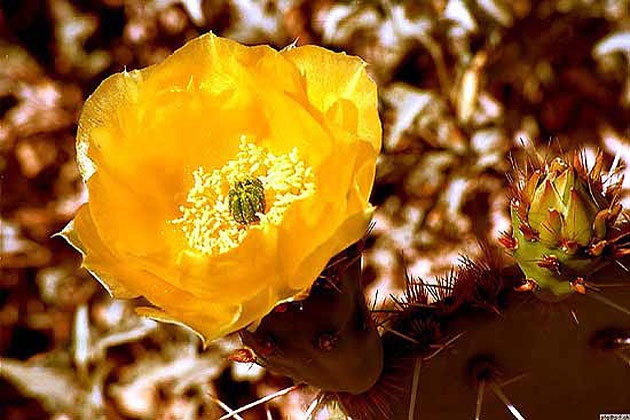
246	198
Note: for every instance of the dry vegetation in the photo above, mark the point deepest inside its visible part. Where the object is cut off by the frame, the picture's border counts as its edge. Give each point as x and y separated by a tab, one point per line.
463	85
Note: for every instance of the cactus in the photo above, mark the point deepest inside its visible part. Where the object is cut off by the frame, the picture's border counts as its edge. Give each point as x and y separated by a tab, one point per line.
535	360
470	344
483	350
565	224
327	340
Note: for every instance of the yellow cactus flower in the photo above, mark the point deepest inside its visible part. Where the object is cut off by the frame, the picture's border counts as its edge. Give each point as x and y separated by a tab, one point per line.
222	180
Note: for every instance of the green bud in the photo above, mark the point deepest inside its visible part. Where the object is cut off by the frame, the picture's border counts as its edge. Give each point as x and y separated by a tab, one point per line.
564	211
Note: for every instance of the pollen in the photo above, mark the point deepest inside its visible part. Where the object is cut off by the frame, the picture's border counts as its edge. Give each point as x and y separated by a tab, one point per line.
207	219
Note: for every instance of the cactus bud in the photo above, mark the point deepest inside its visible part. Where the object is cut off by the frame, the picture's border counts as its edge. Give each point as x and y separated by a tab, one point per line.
565	224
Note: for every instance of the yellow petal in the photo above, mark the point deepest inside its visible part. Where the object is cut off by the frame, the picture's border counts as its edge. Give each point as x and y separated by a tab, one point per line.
82	234
318	220
208	318
208	324
351	230
331	77
235	275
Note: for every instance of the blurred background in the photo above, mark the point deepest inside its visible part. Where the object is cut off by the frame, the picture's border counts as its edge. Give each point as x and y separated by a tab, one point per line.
464	86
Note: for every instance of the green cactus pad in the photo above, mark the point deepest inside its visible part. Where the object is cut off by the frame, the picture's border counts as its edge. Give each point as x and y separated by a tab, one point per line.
551	361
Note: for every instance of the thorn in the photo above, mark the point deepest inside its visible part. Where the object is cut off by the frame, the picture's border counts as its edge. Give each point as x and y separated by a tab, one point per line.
387	311
575	318
262	400
375	301
549	262
528	232
414	388
224	406
313	408
508	241
443	346
605	286
592	287
504	399
242	356
422	305
528	285
622	266
619	253
578	285
480	391
403	336
514	379
609	302
614	165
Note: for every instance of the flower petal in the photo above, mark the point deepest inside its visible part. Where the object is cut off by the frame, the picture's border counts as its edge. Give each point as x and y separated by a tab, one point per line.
209	318
343	187
351	230
82	235
331	77
236	275
208	325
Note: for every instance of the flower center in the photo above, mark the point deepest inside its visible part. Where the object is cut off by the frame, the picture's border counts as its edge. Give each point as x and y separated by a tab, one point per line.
246	199
249	192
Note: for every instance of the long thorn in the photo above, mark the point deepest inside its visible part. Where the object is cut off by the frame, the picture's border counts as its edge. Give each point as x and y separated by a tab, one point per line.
508	404
613	167
621	265
401	335
224	406
514	379
260	401
604	286
315	405
592	287
609	302
386	311
414	388
443	346
480	391
421	305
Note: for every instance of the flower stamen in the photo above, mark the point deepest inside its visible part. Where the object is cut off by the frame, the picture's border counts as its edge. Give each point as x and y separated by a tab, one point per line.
252	191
